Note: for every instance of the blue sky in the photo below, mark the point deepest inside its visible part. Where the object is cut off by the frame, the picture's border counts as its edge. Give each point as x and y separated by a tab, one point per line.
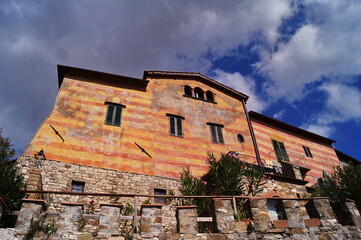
299	61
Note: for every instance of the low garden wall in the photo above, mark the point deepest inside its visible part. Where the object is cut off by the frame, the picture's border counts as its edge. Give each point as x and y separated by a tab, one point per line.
268	218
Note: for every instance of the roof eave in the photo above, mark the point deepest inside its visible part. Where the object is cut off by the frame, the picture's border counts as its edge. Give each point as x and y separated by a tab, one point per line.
64	71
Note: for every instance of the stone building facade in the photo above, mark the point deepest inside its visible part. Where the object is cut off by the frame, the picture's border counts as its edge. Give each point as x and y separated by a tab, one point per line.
117	134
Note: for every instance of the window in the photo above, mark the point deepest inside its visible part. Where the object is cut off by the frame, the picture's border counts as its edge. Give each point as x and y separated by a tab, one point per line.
216	133
307	152
280	151
187	90
175	125
240	138
198	93
209	96
158	191
77	186
114	114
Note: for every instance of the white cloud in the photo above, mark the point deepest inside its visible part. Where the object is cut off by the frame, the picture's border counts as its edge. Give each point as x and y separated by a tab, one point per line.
322	130
244	85
326	46
342	105
279	114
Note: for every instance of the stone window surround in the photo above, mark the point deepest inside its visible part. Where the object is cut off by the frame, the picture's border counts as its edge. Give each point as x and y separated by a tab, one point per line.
70	184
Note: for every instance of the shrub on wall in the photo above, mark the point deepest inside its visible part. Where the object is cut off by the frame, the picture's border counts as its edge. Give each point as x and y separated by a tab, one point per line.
228	175
343	183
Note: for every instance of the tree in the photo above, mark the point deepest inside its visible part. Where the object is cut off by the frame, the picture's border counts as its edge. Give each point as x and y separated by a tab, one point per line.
343	183
6	150
227	175
11	181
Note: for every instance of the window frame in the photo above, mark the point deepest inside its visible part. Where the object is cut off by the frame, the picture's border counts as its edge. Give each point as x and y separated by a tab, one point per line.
79	183
280	151
160	191
307	151
114	109
198	93
177	122
216	131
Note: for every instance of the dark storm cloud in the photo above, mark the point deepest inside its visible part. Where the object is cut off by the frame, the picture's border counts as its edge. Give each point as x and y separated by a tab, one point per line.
122	37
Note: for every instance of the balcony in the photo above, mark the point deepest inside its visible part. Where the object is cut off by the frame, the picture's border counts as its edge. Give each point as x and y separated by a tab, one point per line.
294	171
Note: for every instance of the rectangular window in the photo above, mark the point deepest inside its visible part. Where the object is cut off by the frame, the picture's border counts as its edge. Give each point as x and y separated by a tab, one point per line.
158	191
280	151
175	125
77	186
307	152
114	114
216	133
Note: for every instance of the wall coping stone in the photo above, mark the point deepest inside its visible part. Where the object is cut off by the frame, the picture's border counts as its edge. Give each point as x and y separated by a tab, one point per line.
111	205
33	200
181	207
72	203
90	216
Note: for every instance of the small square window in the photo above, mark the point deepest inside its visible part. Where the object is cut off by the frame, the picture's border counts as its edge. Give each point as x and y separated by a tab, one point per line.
114	114
307	152
216	133
158	191
77	186
175	125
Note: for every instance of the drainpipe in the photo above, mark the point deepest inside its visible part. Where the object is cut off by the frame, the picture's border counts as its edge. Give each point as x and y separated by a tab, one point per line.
258	156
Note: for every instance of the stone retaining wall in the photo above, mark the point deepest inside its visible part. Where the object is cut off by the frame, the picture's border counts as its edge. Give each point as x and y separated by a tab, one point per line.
296	226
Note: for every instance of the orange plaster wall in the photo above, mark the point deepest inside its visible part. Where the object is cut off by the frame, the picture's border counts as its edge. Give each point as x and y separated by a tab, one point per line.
79	115
324	156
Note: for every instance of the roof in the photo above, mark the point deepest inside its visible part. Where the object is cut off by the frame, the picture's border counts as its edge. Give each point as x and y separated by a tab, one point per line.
66	71
196	76
257	117
346	158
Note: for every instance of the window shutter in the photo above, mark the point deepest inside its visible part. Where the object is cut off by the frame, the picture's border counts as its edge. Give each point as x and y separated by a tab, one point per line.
283	152
179	127
220	135
118	114
213	133
171	125
110	111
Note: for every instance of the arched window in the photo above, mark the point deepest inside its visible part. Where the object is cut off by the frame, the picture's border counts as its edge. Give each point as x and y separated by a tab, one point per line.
187	90
198	93
209	96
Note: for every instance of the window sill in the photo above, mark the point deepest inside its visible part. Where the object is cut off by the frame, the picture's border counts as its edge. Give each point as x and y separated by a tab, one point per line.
204	100
176	136
112	125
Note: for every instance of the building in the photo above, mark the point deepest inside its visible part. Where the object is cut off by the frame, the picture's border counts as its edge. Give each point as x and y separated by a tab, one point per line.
111	133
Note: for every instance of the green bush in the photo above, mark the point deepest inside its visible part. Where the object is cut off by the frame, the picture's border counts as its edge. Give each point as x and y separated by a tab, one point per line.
11	181
227	175
343	183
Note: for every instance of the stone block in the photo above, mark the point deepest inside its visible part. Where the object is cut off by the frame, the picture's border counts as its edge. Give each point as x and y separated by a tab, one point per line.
312	222
187	219
294	213
223	214
280	223
151	221
69	217
30	210
109	220
260	213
